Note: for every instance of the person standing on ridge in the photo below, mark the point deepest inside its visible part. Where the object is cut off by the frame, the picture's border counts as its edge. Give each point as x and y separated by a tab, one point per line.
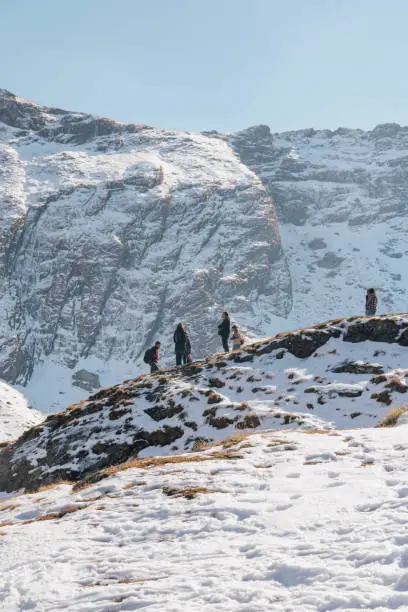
151	357
224	330
237	338
182	344
371	302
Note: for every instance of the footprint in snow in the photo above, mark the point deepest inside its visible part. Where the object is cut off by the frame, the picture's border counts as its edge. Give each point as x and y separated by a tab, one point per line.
369	507
403	492
283	506
293	475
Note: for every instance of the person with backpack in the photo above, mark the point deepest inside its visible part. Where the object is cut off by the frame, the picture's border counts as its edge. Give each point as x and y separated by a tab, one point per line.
182	345
224	330
151	357
371	302
237	338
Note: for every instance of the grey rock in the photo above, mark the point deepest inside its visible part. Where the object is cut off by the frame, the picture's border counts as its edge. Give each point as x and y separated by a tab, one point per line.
89	381
330	260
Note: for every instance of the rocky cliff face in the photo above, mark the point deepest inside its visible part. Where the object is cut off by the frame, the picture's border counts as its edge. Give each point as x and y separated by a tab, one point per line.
112	233
341	198
344	373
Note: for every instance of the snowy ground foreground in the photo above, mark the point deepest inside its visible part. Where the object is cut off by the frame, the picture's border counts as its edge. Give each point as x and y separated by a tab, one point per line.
298	522
15	415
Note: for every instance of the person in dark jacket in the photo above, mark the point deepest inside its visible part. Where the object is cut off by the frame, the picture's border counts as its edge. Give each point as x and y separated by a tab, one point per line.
224	329
154	358
182	345
371	302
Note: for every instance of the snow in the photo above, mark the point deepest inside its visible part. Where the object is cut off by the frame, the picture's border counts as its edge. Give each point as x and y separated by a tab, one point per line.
300	522
15	414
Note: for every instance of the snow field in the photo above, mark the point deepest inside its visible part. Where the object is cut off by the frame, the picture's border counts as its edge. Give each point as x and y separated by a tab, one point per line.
305	522
15	415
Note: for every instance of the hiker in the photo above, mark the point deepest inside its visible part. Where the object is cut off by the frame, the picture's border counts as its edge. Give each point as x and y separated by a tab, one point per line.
237	338
151	357
371	302
224	330
182	345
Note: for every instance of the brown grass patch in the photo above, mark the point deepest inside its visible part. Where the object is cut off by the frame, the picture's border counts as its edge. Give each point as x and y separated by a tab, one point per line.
392	416
52	485
130	485
277	442
233	440
315	431
312	462
341	453
397	383
186	492
53	515
152	462
9	507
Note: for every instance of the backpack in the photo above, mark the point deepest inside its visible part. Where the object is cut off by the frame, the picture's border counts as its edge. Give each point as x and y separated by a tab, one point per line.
146	357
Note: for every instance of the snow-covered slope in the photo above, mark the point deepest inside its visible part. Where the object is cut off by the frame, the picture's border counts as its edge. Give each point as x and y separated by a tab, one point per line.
342	201
15	415
294	523
110	234
346	373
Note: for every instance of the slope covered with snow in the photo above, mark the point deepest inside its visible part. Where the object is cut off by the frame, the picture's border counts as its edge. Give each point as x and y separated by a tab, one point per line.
341	198
15	414
345	373
295	522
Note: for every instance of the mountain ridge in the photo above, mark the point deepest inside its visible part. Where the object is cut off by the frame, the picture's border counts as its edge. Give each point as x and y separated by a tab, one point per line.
340	374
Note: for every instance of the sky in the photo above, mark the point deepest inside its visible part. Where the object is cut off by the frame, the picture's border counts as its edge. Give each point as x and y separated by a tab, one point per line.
211	64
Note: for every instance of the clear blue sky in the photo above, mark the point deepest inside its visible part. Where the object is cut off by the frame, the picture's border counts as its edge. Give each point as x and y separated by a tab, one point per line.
212	64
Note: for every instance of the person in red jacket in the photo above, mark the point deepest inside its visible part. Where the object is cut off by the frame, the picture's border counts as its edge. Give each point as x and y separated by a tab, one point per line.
154	357
371	302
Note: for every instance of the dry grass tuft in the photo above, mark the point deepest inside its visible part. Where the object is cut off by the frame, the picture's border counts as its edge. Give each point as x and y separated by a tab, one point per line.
392	416
54	515
152	462
315	431
9	507
52	485
130	485
233	440
186	492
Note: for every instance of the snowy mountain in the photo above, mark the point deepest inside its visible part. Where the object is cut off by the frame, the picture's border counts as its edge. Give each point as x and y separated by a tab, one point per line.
110	234
342	201
346	373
